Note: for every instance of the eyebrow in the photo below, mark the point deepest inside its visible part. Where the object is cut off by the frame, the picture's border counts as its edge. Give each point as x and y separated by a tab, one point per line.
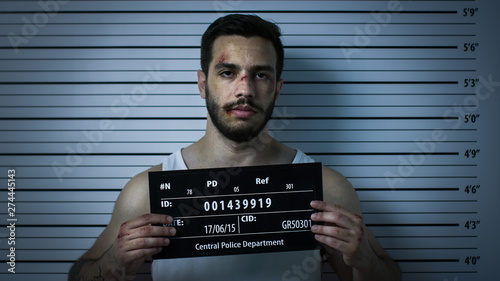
253	68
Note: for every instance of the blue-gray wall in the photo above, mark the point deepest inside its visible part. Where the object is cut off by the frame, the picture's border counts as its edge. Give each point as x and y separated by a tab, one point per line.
94	92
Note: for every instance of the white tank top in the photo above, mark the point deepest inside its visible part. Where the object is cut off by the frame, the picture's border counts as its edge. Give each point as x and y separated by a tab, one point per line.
294	265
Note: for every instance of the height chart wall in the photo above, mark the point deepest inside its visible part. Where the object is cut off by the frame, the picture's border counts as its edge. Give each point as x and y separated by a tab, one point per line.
399	96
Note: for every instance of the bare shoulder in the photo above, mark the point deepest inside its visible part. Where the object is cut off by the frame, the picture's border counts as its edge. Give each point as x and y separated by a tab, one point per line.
132	202
134	197
338	190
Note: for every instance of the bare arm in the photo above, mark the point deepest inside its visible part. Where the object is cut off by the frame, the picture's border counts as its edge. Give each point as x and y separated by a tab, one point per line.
355	254
128	240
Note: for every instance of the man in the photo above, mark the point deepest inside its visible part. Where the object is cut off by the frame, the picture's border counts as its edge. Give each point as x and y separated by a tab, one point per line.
242	60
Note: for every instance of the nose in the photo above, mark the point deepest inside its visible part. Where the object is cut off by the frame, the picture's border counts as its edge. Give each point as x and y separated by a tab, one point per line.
244	87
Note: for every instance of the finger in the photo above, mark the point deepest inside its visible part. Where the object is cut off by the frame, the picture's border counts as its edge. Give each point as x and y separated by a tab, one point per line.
147	231
336	214
147	219
339	219
343	234
337	244
139	254
327	207
143	243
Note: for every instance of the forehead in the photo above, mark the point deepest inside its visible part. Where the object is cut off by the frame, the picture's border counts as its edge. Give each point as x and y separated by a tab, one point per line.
243	51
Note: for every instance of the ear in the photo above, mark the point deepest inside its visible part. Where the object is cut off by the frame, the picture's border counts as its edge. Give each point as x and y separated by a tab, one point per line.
279	85
202	82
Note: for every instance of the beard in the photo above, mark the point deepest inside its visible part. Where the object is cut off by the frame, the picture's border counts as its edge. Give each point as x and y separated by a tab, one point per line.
241	132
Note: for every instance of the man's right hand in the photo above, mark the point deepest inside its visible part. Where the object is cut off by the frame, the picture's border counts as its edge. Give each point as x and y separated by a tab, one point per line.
132	235
138	239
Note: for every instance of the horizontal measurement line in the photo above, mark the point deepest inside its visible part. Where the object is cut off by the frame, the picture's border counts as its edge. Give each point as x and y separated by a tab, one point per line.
344	34
277	106
277	118
56	225
284	71
282	94
369	225
57	237
119	189
286	35
372	82
430	236
68	189
445	272
366	58
59	214
149	165
413	225
193	70
435	249
416	200
418	213
63	275
427	260
72	202
76	178
86	166
377	130
41	273
147	275
294	106
292	141
110	178
281	130
103	118
358	165
197	59
197	47
287	23
281	11
97	83
382	153
194	82
122	142
407	189
367	47
421	177
163	154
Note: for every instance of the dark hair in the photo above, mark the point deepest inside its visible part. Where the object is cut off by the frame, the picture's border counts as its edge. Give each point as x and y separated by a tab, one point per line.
246	26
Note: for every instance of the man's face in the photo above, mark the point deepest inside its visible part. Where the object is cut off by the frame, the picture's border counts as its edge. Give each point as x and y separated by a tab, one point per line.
241	88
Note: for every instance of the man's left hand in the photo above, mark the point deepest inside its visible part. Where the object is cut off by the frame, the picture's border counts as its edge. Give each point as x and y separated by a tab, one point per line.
343	231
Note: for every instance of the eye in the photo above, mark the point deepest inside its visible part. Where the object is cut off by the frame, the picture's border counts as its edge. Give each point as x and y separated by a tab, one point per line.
262	75
226	74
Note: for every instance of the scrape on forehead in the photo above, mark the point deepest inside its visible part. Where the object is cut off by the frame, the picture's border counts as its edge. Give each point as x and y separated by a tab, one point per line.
223	57
242	51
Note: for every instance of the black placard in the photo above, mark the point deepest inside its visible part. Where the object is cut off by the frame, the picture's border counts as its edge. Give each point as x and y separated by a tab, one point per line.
237	210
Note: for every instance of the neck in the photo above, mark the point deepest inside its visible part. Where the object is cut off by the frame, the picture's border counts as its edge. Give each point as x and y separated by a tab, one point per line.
215	150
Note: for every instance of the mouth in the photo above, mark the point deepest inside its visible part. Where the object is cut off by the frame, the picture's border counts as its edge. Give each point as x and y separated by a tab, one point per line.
241	111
